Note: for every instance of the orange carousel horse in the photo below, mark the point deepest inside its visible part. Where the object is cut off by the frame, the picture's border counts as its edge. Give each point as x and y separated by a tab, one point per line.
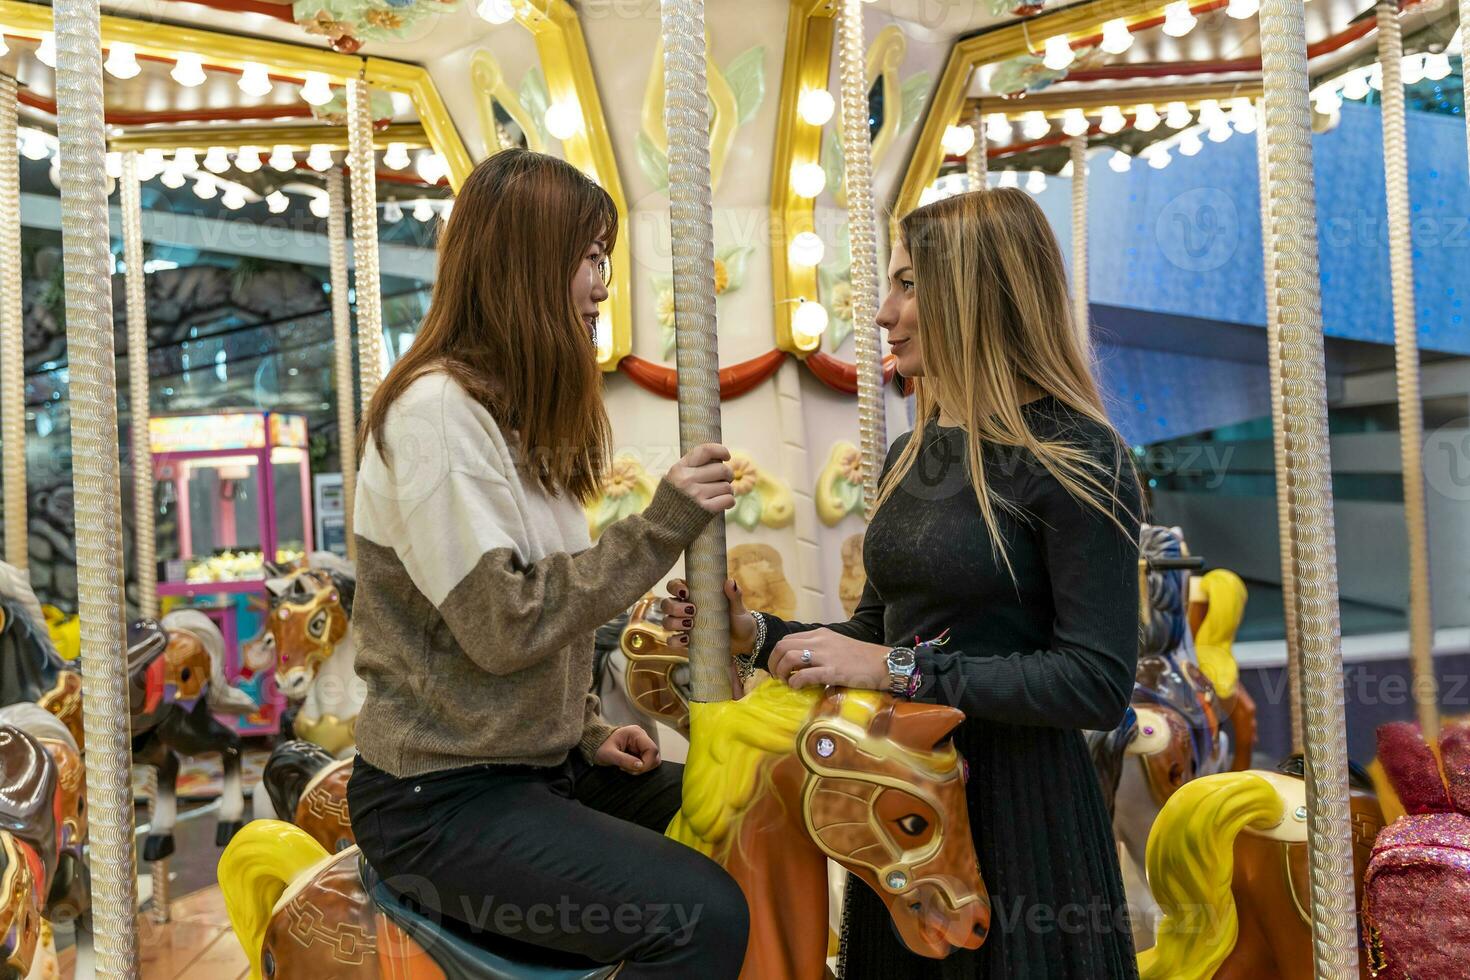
309	625
775	784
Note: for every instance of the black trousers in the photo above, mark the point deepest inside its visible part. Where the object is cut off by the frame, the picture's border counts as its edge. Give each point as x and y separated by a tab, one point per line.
570	857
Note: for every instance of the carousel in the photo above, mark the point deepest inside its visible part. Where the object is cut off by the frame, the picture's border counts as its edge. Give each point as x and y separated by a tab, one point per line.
758	154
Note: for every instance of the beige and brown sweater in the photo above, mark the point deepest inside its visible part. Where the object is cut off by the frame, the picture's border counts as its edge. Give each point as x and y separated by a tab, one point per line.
478	594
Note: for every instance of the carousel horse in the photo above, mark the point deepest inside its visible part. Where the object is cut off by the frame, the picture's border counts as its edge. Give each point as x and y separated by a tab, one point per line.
308	786
777	782
1216	607
1421	862
69	895
1227	862
31	842
30	668
1173	728
655	678
309	624
176	684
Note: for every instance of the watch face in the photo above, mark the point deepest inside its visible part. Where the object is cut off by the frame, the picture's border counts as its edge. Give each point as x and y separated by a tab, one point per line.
901	660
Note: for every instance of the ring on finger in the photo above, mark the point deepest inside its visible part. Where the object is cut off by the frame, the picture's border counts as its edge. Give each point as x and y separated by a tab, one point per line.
806	658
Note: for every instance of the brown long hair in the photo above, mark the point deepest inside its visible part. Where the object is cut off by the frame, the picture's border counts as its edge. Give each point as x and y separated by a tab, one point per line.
995	325
502	322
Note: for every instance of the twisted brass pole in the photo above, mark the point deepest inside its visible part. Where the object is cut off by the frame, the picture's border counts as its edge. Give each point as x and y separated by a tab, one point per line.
361	162
342	349
144	544
857	178
12	337
1081	311
1406	366
1278	443
96	481
1309	478
976	163
686	118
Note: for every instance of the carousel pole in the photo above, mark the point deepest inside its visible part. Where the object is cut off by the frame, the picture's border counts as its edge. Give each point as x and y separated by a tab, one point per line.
1278	439
361	164
12	337
144	545
1077	145
976	162
1308	474
857	177
1406	366
686	117
342	347
96	481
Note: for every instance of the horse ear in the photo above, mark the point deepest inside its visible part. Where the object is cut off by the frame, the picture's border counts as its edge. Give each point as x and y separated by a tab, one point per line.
1411	768
922	727
1454	752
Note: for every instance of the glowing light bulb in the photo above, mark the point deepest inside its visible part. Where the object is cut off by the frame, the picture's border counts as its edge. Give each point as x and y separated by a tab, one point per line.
806	249
1036	182
247	160
1411	69
1220	132
1375	77
254	80
1010	179
54	174
33	146
112	165
563	119
496	11
320	157
1178	116
1146	118
396	156
1058	54
957	140
320	205
188	70
929	195
282	159
46	50
423	211
173	178
1112	120
444	211
276	202
316	90
216	161
1241	9
4	48
1074	122
1243	115
998	128
122	61
1116	38
186	160
1189	144
431	167
392	212
205	188
809	322
150	163
1210	113
1178	19
1356	86
1035	125
1120	162
815	106
808	179
233	199
1159	159
1437	66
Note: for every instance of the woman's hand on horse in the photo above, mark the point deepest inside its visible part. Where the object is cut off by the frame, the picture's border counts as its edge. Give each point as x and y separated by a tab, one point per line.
630	749
679	616
705	476
835	659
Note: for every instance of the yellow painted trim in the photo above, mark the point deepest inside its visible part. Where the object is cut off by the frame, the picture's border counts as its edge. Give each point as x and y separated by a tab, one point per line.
969	55
724	113
233	137
569	78
810	27
280	57
491	87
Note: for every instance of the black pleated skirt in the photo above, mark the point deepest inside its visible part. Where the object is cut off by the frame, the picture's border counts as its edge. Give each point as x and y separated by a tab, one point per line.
1046	851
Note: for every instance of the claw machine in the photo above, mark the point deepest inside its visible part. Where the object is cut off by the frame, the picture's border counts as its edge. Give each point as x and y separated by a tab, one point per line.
233	491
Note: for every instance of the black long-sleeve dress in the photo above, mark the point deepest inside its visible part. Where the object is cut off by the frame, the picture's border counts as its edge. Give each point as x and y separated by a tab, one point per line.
1031	661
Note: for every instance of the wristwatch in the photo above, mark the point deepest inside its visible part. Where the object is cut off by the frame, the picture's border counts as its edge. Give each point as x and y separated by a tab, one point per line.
902	669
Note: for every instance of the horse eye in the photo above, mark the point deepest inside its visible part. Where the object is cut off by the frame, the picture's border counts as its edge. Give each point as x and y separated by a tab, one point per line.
913	824
318	624
184	675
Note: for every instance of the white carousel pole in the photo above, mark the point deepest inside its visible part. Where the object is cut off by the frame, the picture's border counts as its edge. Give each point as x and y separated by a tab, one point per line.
857	177
362	163
1081	312
686	117
1309	479
976	162
342	348
96	481
1406	366
144	545
1278	440
12	337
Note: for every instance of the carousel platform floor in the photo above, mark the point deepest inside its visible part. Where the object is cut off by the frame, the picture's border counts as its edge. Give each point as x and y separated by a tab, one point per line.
196	943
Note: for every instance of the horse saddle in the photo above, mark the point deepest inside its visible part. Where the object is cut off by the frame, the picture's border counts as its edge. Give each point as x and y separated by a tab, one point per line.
479	955
1186	690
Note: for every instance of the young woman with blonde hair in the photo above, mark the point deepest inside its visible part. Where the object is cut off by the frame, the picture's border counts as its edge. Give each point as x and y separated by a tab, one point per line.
1002	580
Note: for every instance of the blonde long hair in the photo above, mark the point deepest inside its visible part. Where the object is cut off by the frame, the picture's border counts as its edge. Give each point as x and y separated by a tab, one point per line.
995	322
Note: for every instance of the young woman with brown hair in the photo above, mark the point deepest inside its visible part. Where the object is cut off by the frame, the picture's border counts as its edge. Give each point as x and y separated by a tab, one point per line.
1002	579
485	778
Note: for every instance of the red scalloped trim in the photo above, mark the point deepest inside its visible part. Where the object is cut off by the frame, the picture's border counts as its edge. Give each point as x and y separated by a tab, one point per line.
842	376
735	380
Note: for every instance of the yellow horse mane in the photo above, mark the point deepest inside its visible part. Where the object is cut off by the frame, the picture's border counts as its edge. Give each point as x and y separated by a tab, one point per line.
1191	860
263	860
1212	644
728	742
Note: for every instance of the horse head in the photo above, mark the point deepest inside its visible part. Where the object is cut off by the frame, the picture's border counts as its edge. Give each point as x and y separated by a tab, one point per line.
20	906
67	897
884	797
1164	591
29	843
308	618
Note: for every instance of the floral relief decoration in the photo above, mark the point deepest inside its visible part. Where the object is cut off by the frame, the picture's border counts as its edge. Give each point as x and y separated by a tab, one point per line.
839	489
626	489
760	498
736	93
347	23
730	265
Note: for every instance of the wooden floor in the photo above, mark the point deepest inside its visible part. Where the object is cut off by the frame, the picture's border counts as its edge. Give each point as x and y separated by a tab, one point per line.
197	943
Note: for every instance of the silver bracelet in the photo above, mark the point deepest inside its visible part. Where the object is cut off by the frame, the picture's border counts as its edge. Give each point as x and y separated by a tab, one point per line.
746	662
